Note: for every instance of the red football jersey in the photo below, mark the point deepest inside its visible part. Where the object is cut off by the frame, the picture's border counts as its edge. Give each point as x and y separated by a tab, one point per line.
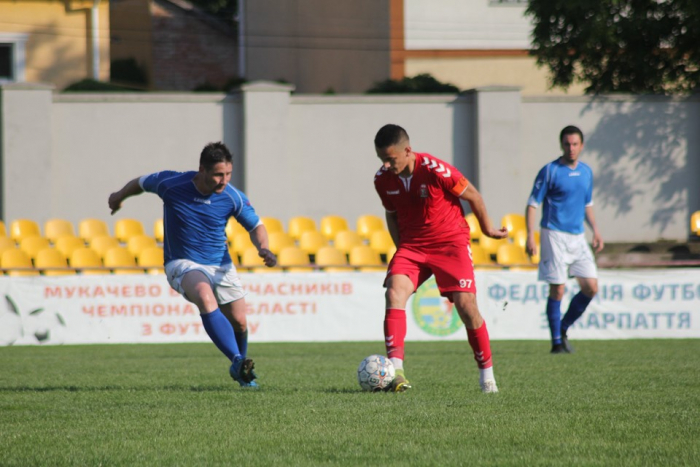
427	203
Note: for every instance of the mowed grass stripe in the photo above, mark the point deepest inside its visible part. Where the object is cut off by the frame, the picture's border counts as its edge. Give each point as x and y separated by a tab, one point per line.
626	402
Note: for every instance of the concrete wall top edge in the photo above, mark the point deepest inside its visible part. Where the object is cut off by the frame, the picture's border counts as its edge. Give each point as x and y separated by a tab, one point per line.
93	97
380	98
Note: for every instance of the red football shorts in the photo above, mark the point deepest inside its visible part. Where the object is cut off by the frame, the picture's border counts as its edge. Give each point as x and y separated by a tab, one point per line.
451	263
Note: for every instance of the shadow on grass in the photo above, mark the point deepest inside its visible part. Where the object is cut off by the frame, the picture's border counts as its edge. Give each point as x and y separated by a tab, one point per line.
68	388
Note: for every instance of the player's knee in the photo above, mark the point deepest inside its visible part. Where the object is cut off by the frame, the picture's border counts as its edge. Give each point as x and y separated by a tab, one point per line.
395	297
556	291
590	289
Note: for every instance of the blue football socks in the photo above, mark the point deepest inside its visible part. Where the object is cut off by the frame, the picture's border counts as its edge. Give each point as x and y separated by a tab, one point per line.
242	341
221	333
576	308
554	319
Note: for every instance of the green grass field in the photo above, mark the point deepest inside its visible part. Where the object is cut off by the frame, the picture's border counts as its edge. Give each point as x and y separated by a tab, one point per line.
611	403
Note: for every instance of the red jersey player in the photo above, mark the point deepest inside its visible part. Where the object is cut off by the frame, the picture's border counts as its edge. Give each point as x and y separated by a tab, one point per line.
421	196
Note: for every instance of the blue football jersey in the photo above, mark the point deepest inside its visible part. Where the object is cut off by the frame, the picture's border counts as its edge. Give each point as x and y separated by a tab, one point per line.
564	194
195	224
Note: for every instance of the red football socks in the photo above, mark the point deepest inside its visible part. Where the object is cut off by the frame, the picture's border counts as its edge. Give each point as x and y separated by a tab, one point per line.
395	332
479	341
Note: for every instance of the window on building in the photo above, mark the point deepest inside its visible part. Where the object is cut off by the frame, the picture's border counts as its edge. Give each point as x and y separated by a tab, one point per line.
12	59
6	63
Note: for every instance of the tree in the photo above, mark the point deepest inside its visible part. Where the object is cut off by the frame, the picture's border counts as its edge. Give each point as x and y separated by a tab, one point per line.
629	46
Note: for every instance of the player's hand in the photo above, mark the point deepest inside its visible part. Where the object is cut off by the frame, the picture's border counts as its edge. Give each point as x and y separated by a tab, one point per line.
115	202
531	246
268	257
598	243
496	233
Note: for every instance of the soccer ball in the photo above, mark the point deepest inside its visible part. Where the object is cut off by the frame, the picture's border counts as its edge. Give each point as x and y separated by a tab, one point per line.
375	373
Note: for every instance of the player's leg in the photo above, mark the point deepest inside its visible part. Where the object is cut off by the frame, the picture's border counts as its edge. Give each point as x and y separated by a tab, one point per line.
553	270
556	293
242	368
398	289
478	337
196	287
584	269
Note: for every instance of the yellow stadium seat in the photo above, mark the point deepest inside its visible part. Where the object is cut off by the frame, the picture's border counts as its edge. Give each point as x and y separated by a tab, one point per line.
33	244
300	224
490	245
332	259
3	230
102	243
152	259
382	242
159	230
56	228
84	259
367	224
331	225
124	229
513	222
294	259
67	244
22	228
346	240
474	226
695	223
311	241
138	243
272	224
16	258
6	243
54	260
119	257
279	240
479	256
390	253
241	243
234	256
233	228
252	260
511	255
89	228
366	259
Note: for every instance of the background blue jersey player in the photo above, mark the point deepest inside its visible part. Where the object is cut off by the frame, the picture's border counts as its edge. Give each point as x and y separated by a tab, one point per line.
196	208
564	188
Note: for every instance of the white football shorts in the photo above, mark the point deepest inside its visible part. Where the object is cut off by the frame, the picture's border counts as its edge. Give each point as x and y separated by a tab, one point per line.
224	279
565	255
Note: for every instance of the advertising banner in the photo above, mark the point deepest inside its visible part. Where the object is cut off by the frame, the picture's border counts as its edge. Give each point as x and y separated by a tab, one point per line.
327	307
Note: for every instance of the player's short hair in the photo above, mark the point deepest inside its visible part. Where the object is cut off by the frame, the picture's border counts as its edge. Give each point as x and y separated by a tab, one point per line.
389	135
213	153
570	130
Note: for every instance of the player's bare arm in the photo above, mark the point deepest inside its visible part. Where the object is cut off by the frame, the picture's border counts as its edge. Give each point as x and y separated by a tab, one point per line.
392	223
116	199
598	243
530	221
259	238
476	202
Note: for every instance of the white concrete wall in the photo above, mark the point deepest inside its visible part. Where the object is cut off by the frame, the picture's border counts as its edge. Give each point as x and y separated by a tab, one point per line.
62	155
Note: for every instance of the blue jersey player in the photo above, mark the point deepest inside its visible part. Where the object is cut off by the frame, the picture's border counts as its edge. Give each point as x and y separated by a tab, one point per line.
196	208
564	188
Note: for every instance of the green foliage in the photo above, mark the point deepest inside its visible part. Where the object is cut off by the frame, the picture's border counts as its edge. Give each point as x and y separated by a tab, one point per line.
127	71
92	85
223	9
624	402
628	46
419	84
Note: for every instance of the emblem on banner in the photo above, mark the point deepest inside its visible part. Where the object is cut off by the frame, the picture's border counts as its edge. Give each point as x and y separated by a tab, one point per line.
433	313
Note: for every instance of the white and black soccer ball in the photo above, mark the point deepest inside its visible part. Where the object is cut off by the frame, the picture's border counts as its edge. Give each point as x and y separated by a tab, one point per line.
375	373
